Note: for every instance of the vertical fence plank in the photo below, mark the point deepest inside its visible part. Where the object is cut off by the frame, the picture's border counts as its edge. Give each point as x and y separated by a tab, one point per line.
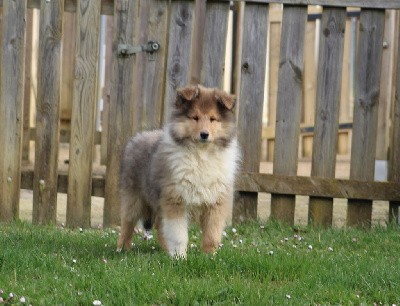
154	74
47	117
327	109
251	102
106	90
83	113
289	106
394	160
198	40
213	55
121	107
11	106
179	51
27	89
365	121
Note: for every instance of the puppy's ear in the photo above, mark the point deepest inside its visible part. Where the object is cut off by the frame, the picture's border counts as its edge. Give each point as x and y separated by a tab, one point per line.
186	94
227	100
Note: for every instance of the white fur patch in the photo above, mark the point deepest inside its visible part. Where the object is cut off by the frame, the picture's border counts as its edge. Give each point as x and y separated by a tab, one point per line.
175	232
201	174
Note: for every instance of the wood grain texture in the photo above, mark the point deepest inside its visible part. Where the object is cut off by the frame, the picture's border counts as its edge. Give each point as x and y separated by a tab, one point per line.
107	9
327	108
394	160
198	40
365	116
179	52
106	90
11	106
47	113
270	183
251	100
83	113
290	84
120	127
213	55
154	74
384	4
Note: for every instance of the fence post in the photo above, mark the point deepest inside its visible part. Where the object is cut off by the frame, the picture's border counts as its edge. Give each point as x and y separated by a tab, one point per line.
12	65
394	160
327	109
363	148
289	104
83	113
121	125
251	100
47	109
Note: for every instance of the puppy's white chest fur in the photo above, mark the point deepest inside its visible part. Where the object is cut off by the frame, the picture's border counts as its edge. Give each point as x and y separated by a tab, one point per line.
200	175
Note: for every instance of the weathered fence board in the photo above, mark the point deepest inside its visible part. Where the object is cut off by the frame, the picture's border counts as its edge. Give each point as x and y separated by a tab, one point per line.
154	74
250	99
365	121
47	113
121	106
327	108
11	106
394	160
83	114
289	106
179	51
213	59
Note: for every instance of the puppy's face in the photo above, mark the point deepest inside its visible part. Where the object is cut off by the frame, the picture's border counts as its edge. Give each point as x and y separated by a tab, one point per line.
203	116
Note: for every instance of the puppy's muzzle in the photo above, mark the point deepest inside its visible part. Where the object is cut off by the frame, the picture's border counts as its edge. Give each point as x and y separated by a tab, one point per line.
204	136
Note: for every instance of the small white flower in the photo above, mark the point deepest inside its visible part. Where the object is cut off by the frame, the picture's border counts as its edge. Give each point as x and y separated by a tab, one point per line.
221	245
288	296
354	240
295	246
234	245
11	295
1	300
22	300
330	249
240	241
310	247
271	252
286	238
81	229
1	291
153	247
113	232
357	296
262	226
192	245
74	261
234	230
97	303
295	236
224	233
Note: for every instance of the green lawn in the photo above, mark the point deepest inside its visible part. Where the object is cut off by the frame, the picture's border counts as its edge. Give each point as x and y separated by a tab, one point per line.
257	265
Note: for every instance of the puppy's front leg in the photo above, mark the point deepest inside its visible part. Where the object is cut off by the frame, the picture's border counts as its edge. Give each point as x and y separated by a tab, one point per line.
174	227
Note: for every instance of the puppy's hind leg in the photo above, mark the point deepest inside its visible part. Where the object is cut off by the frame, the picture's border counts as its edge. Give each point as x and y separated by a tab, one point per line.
131	212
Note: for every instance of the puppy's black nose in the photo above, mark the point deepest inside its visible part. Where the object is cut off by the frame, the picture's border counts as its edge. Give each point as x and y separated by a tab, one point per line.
204	135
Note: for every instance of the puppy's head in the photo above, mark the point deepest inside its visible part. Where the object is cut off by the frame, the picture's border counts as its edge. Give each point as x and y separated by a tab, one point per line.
203	116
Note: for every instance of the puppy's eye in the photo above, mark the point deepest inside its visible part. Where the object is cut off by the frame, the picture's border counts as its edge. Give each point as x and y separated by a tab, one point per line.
195	118
212	119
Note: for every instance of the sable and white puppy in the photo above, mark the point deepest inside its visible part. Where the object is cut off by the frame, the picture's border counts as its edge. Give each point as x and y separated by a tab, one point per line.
189	165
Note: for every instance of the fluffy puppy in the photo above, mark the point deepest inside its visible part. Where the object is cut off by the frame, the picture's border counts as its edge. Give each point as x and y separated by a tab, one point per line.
189	165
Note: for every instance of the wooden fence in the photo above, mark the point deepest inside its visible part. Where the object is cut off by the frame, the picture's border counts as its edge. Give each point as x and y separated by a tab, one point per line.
192	38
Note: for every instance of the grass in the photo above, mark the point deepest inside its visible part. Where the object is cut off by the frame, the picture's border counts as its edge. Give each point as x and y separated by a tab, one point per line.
257	265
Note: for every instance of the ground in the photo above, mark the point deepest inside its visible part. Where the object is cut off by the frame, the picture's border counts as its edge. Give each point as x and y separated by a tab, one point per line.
379	214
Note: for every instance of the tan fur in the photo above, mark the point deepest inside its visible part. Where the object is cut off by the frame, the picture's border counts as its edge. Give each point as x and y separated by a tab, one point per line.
167	175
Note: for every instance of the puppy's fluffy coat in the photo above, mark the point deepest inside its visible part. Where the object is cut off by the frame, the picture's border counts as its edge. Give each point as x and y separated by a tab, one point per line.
190	164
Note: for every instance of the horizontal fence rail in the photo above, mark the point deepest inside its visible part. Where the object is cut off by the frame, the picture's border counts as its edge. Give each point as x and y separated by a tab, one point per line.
139	90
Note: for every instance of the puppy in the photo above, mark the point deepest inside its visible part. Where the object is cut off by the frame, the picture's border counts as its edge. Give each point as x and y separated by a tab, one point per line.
189	165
